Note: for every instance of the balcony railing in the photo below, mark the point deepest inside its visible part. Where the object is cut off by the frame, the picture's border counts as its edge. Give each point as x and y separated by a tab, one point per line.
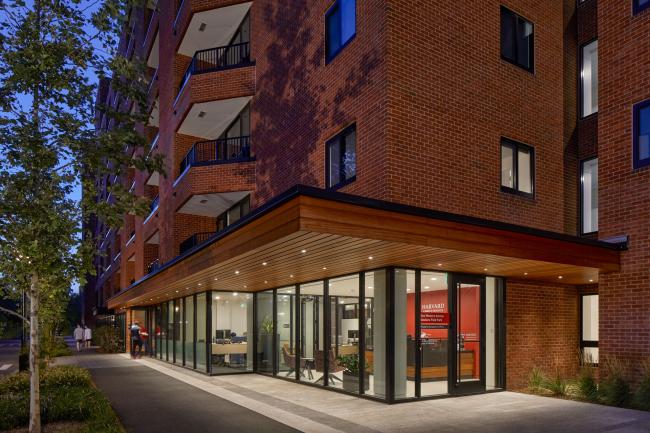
153	80
154	204
153	266
218	151
194	240
215	59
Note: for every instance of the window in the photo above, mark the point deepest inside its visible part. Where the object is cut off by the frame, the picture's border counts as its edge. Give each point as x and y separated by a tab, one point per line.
517	167
340	27
589	195
517	39
642	134
236	212
341	158
589	78
589	329
640	5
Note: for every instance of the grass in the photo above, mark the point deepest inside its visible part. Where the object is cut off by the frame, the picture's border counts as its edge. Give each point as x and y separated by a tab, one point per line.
67	395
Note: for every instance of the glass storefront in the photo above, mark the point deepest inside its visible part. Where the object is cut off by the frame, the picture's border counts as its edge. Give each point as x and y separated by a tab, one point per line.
391	334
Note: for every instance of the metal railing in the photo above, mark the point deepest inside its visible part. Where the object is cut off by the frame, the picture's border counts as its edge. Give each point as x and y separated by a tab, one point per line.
194	240
153	80
154	204
218	151
214	59
153	266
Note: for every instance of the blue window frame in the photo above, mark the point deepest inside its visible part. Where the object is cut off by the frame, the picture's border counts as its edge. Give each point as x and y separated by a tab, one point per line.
642	134
640	5
517	40
340	27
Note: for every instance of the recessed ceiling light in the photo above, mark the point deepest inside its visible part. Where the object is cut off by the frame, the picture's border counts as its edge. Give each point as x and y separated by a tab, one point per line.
303	251
591	281
236	272
324	268
176	291
525	273
559	277
439	264
291	276
264	263
235	293
369	257
217	297
485	269
199	284
266	282
216	279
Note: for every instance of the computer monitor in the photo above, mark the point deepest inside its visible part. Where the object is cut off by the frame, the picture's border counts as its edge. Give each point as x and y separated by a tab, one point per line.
222	334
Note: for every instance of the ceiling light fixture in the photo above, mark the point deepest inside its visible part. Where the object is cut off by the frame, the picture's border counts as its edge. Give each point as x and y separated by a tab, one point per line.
303	251
236	272
264	263
235	293
559	277
370	257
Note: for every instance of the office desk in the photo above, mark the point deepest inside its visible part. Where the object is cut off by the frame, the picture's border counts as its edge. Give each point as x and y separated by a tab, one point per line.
229	349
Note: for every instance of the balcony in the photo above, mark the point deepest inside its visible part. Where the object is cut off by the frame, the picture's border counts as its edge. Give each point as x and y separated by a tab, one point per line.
153	266
228	150
153	207
194	240
217	59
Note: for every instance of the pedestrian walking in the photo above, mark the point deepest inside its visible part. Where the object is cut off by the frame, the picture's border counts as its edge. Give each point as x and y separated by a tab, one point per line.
88	335
78	335
144	336
136	340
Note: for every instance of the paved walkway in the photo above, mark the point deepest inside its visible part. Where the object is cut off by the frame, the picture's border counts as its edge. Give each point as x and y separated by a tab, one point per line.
150	395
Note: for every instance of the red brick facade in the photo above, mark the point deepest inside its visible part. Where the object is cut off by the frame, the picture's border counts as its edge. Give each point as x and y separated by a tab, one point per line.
624	49
431	98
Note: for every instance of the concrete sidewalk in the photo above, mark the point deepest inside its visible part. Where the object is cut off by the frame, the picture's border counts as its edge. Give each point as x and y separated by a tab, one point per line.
150	395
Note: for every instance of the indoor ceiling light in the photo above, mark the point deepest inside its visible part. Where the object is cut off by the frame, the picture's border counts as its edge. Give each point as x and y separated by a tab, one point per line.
434	279
303	251
264	263
525	273
236	272
559	277
217	297
485	269
439	264
324	268
369	257
426	287
235	293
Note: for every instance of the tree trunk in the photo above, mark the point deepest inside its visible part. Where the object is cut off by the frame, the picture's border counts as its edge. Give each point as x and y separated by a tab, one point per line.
34	339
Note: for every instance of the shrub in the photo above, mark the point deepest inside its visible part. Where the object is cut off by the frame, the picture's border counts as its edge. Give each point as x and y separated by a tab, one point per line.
65	376
557	385
587	384
14	409
108	339
642	396
14	384
536	380
614	389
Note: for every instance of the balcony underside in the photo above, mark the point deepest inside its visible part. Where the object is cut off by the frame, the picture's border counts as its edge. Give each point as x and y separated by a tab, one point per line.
211	205
343	234
209	119
201	28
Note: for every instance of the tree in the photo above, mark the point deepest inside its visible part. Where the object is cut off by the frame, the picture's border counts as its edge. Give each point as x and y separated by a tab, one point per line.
48	49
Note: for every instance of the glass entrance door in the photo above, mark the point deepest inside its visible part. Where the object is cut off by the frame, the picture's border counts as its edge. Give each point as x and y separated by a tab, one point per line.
467	335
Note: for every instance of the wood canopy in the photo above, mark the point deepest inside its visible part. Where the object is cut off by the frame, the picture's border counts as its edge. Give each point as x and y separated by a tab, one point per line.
309	234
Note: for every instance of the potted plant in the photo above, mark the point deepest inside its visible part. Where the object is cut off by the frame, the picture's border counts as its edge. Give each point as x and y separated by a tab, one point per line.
351	373
266	343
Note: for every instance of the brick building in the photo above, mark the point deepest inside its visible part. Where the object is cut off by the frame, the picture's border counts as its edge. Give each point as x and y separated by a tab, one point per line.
451	195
